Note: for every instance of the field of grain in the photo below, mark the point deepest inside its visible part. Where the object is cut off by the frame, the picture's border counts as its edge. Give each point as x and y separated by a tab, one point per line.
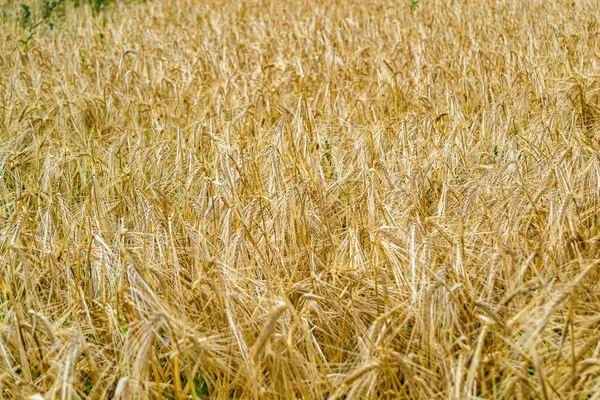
300	199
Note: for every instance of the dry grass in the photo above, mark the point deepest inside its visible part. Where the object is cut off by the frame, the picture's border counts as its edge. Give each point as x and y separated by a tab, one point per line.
290	199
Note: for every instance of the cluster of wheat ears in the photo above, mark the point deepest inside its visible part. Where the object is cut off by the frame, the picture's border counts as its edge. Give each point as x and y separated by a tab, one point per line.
301	199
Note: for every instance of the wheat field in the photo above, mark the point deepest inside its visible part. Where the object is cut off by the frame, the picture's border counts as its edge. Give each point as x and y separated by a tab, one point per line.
300	199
